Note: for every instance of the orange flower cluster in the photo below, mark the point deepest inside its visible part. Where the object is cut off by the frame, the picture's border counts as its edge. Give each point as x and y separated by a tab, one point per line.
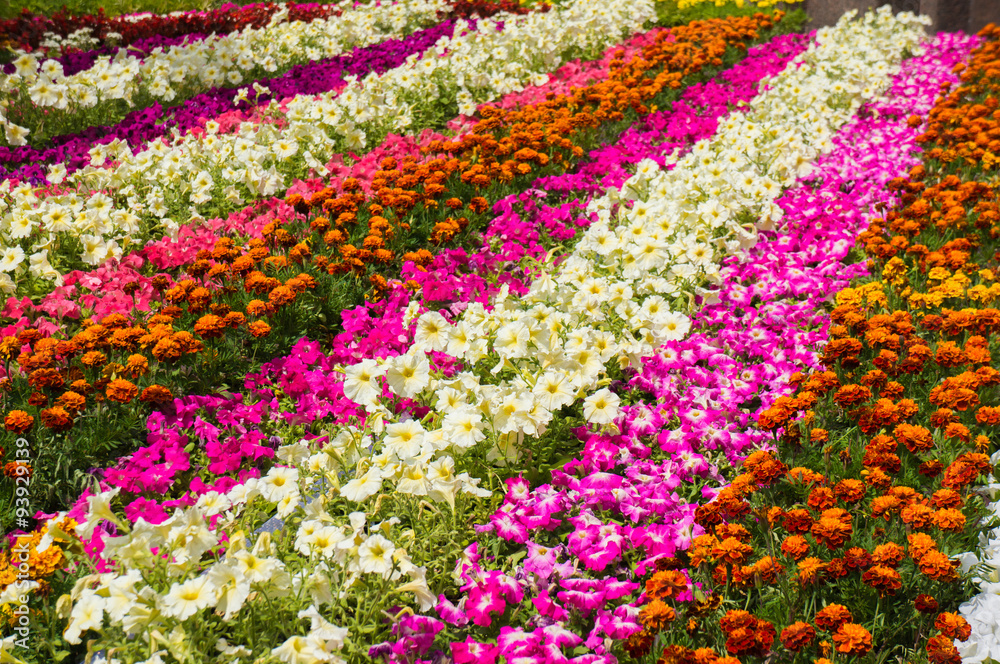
41	565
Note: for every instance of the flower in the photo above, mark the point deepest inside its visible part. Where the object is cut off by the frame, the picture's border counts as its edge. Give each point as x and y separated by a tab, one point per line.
953	626
156	394
925	603
941	650
57	419
185	599
601	407
853	639
884	579
121	390
18	422
798	635
375	555
259	329
409	374
657	615
795	546
832	616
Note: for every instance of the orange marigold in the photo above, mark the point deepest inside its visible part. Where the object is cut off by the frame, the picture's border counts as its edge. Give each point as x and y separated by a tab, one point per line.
884	579
14	469
210	326
889	554
93	359
925	603
666	584
657	615
795	547
857	558
18	422
732	551
832	532
851	395
797	521
850	490
281	295
949	519
798	635
156	394
937	565
56	418
917	439
121	390
853	639
831	617
941	650
809	569
259	329
917	515
72	401
137	365
953	626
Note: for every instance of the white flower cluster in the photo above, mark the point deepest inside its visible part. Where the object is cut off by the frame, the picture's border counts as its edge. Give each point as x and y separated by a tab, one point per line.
89	226
150	597
982	611
81	39
192	171
183	71
617	296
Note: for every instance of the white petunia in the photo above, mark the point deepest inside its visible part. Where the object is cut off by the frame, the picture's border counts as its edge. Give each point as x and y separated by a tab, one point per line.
601	407
12	257
186	599
361	382
408	374
279	483
375	555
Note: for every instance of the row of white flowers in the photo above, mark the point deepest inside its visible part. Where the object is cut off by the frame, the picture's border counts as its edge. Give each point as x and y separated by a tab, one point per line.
168	183
613	300
183	71
84	38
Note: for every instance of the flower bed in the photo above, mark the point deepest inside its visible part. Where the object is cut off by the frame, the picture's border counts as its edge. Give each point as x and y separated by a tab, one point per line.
656	406
440	481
